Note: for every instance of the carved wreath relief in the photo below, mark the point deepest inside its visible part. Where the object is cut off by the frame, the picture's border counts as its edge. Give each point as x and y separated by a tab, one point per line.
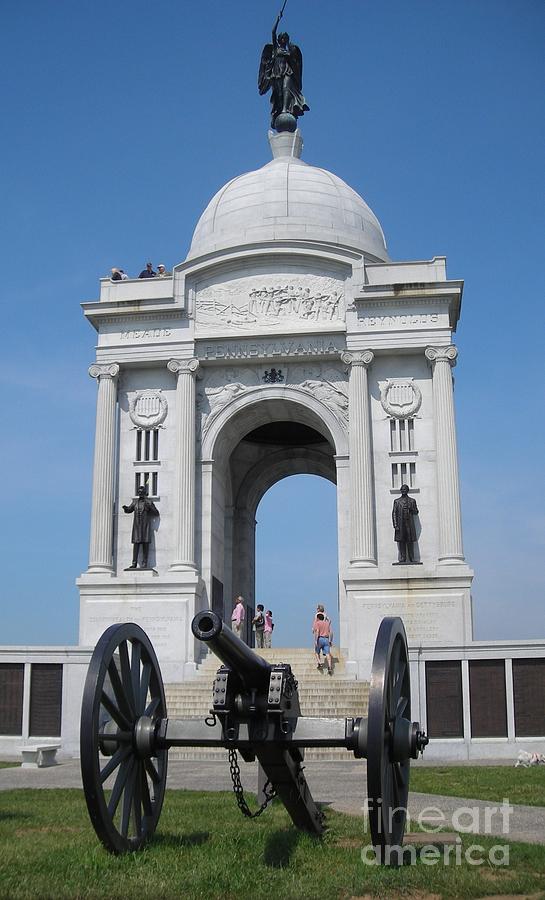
246	304
400	398
148	409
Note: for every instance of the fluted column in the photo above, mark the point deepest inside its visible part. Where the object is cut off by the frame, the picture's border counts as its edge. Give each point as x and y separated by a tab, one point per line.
361	463
184	515
448	489
102	508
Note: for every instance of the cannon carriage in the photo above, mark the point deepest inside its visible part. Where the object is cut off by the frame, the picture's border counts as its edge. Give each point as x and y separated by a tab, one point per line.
126	732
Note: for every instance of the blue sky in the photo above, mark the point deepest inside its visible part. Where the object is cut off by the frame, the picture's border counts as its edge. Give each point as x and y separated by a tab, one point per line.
122	119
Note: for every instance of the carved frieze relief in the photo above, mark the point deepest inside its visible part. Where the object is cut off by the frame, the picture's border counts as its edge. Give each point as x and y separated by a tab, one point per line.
261	303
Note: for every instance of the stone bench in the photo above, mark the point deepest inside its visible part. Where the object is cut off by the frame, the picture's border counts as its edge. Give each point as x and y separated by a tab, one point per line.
38	756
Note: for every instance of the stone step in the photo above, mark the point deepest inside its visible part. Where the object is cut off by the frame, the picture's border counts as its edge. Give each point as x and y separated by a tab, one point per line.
336	711
325	754
292	655
321	690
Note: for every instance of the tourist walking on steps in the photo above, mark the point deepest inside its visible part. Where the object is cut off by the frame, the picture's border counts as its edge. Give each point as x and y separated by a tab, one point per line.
320	608
258	622
321	630
268	630
237	619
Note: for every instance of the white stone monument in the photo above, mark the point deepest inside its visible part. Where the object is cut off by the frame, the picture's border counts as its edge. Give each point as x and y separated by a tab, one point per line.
286	342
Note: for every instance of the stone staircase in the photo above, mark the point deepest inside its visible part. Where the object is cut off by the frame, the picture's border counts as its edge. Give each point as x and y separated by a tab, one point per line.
319	695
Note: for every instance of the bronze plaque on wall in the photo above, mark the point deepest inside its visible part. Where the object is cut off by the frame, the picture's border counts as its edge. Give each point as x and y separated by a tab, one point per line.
487	698
45	700
11	698
444	699
529	696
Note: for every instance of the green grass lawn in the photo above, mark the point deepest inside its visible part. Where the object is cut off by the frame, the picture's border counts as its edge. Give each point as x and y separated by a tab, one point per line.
204	848
519	785
8	765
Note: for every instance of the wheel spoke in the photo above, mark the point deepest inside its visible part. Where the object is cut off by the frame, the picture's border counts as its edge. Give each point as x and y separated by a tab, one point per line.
137	803
397	783
114	712
401	772
119	785
146	799
399	683
135	674
128	795
144	684
152	707
120	737
119	756
126	675
152	771
120	693
401	706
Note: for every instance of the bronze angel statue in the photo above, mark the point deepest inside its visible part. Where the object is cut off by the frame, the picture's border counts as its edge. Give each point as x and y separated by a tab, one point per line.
281	69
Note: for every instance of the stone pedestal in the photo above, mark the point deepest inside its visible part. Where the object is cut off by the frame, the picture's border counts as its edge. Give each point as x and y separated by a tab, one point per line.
163	606
434	608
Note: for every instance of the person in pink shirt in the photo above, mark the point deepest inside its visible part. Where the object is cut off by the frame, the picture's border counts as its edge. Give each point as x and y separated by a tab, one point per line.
237	619
269	625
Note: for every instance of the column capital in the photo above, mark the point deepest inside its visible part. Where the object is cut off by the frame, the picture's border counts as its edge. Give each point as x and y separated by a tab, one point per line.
357	357
99	370
442	354
183	366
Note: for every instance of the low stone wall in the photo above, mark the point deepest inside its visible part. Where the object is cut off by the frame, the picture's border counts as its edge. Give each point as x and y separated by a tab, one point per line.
485	699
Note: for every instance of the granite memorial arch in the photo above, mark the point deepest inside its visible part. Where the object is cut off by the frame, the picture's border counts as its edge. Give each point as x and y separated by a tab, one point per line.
287	341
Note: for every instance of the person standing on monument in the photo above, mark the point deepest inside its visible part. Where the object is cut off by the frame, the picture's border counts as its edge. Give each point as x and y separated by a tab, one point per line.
403	512
268	630
148	272
144	510
258	622
237	619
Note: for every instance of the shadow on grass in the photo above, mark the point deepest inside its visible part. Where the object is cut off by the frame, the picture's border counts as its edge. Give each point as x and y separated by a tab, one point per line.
20	816
280	846
167	839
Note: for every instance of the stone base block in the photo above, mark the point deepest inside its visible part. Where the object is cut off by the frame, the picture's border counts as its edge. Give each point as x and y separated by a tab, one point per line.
433	609
163	606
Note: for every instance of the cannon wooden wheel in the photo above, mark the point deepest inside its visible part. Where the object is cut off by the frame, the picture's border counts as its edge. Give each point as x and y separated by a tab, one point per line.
392	739
123	773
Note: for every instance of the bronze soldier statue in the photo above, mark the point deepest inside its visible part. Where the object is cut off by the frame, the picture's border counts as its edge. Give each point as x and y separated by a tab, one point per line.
403	513
281	69
143	510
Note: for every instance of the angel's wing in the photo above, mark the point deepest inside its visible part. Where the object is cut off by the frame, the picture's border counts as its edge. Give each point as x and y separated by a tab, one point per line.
264	76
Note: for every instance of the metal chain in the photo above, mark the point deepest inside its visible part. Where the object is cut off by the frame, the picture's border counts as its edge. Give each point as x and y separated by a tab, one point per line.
270	792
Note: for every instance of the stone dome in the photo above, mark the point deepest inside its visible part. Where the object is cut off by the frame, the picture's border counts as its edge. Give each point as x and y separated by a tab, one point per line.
287	199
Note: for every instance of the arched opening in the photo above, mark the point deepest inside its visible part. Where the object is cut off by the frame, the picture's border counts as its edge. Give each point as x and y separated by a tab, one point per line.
253	444
296	556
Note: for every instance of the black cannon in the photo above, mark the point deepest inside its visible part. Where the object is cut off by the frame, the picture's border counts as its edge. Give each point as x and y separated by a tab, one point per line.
125	732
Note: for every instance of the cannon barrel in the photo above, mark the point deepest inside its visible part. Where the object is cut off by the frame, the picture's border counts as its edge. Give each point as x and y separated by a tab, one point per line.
252	669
